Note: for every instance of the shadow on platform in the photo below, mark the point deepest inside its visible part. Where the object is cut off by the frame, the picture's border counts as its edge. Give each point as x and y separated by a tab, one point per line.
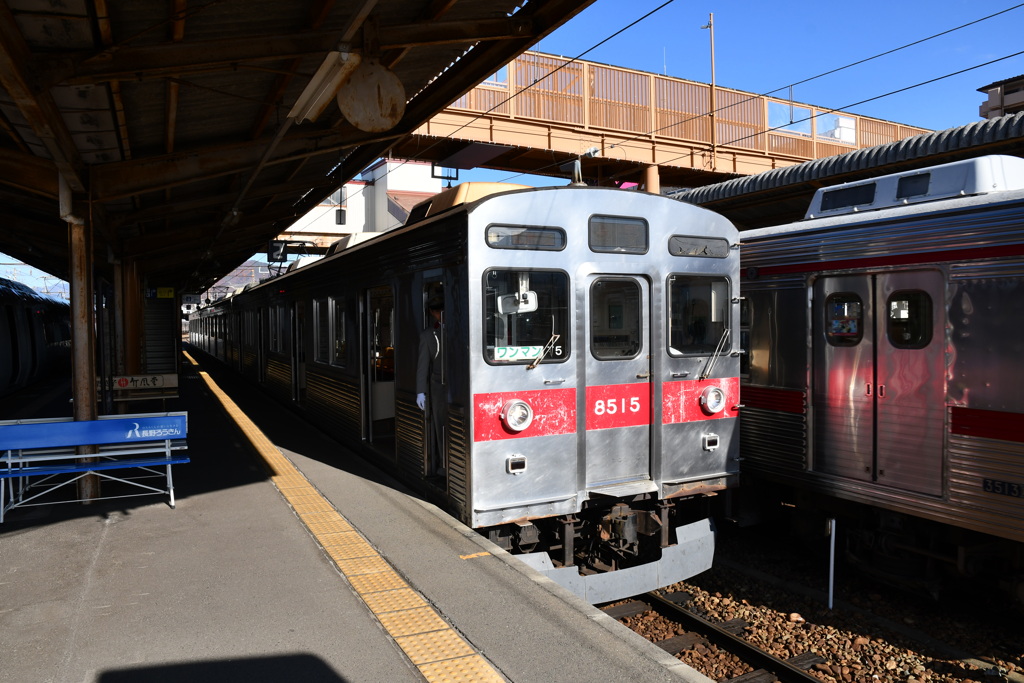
299	667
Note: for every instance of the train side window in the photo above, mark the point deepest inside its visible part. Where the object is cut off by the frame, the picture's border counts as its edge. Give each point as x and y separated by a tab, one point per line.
339	338
844	319
526	316
615	319
322	333
274	328
909	323
698	314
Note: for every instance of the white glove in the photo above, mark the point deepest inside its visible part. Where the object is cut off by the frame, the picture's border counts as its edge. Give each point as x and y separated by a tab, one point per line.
421	401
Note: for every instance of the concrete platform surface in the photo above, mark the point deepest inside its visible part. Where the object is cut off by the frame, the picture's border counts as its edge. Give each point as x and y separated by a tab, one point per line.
232	585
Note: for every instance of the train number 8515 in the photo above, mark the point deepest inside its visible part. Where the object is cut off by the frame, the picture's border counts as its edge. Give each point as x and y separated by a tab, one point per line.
617	405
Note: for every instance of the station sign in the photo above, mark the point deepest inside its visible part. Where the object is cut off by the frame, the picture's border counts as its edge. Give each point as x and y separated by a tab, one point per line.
153	381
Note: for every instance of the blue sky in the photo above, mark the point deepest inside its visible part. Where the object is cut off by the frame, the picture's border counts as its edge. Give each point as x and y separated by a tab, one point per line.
761	46
764	46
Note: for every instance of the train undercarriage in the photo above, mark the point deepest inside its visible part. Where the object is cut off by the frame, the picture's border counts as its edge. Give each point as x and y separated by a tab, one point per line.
613	549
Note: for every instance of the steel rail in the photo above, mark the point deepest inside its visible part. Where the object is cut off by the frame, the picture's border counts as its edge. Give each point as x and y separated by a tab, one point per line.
785	671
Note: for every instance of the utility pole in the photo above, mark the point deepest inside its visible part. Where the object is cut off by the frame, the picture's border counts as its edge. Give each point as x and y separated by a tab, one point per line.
714	132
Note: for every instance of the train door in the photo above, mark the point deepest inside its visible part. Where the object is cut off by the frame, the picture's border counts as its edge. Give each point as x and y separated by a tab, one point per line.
618	369
879	388
298	324
380	371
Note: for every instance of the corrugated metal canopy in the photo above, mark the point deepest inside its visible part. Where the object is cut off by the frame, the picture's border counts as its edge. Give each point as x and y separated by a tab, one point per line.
169	120
782	195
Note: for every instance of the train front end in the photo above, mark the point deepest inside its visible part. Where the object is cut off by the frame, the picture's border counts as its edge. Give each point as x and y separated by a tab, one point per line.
604	383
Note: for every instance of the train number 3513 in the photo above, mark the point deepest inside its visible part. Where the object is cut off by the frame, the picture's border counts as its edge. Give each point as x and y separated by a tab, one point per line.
1003	488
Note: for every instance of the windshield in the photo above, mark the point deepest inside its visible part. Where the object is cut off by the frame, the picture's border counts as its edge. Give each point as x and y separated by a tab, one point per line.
698	314
523	310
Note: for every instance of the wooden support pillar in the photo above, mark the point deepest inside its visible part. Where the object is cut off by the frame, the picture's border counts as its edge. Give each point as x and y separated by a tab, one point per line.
652	181
83	323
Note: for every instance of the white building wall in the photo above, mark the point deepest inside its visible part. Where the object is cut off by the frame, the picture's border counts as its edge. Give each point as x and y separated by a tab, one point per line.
366	202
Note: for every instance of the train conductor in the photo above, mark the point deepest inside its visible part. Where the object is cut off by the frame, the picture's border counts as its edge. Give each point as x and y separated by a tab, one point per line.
431	396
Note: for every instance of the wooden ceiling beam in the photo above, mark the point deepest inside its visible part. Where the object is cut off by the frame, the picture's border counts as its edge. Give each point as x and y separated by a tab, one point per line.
159	61
35	103
128	178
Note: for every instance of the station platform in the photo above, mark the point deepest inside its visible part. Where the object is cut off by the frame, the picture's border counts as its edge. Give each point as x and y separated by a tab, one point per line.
286	558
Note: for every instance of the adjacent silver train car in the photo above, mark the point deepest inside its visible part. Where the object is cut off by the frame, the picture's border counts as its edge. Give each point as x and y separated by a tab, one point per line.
590	367
884	375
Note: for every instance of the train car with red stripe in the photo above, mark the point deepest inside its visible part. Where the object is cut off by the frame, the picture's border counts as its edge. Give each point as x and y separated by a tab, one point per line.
583	402
883	379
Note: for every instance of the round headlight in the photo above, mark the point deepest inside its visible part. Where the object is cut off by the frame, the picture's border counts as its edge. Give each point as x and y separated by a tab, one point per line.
712	400
517	414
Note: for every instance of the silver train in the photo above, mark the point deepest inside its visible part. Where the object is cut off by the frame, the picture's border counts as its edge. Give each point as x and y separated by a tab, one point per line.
883	379
35	336
590	370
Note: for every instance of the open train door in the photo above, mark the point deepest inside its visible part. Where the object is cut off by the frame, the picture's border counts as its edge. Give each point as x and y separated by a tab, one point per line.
379	406
879	378
618	384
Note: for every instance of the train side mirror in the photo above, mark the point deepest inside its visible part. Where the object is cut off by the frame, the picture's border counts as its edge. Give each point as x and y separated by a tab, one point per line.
525	302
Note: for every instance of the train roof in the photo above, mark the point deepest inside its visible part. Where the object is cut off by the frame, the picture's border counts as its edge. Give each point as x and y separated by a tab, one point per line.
463	193
467	197
994	173
956	185
12	289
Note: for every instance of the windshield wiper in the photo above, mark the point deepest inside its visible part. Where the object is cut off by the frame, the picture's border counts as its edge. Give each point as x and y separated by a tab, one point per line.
710	365
543	352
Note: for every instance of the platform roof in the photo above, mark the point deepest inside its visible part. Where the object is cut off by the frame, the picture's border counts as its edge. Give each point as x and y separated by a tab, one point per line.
169	120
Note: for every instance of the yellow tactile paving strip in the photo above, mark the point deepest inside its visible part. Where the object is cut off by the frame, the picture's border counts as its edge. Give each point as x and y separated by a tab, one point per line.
439	653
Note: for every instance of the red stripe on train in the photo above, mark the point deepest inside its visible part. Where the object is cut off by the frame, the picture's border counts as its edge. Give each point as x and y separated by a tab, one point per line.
554	412
680	401
987	424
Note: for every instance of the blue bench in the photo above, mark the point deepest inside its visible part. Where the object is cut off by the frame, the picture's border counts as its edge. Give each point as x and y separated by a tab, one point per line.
38	457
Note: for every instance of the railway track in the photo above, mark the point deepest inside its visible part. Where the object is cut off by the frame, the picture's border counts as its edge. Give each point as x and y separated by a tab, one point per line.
764	666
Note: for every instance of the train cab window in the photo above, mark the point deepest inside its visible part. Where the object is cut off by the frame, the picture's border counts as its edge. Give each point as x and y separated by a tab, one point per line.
618	235
844	319
909	323
698	313
615	319
526	316
339	338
